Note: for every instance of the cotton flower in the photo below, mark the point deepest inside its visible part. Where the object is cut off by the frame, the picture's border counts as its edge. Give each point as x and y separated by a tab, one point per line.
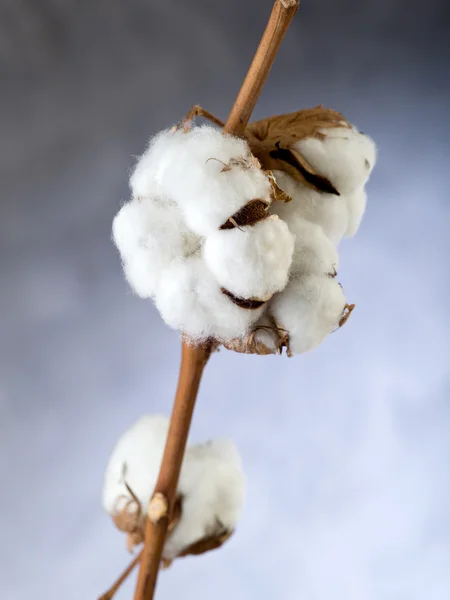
252	262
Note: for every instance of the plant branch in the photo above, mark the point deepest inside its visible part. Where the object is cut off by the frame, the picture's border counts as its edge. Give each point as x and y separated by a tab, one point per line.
282	14
193	361
194	358
113	589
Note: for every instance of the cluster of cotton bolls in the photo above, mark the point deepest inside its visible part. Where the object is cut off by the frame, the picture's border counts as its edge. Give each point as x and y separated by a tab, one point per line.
210	491
205	237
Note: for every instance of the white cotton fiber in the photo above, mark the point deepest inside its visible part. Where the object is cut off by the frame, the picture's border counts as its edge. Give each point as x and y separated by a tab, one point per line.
356	206
314	254
205	189
309	309
146	179
190	300
252	261
140	450
344	156
327	210
149	236
212	486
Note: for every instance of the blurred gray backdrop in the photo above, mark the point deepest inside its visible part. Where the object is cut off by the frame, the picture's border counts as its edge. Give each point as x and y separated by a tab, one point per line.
346	449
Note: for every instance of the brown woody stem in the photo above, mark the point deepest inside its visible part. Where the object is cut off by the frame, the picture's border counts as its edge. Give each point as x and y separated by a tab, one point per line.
282	14
193	358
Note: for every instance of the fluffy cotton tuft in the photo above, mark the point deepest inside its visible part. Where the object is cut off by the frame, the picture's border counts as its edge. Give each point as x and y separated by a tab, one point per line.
135	460
327	210
146	179
205	189
212	486
252	262
149	236
343	155
356	206
190	300
310	308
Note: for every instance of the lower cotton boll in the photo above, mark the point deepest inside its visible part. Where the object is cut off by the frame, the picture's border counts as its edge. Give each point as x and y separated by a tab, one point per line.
309	309
212	489
252	262
190	300
135	460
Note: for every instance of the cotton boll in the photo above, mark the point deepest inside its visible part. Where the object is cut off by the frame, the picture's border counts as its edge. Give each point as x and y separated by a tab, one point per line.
252	262
345	156
209	181
136	460
190	300
356	206
309	309
327	210
212	488
163	149
149	236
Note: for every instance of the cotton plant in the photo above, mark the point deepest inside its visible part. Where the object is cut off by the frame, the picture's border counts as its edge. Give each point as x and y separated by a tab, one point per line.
232	230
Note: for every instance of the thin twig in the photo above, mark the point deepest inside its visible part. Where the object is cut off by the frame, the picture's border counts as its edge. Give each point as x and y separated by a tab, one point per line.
194	358
282	14
114	588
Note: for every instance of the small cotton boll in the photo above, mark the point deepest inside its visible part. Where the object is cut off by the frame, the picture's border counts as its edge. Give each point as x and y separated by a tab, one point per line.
162	150
356	206
309	309
190	300
140	450
212	487
149	236
205	189
252	262
328	211
345	157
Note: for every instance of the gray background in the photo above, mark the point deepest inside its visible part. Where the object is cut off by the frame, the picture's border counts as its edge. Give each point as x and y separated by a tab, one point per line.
347	448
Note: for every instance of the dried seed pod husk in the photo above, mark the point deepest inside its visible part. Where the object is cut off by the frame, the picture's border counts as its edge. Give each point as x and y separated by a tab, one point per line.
265	338
278	195
208	543
247	303
251	213
271	140
348	309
